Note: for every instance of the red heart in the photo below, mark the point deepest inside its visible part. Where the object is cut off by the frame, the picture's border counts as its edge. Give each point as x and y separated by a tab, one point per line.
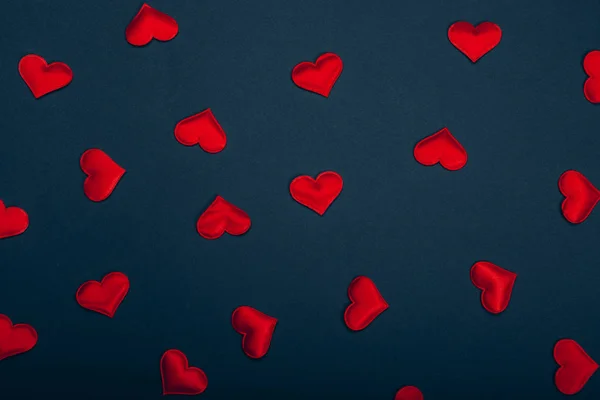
106	296
220	217
320	76
13	221
203	129
496	285
256	329
103	174
149	24
317	194
591	65
178	377
474	42
15	339
441	147
409	393
366	303
576	366
580	196
43	78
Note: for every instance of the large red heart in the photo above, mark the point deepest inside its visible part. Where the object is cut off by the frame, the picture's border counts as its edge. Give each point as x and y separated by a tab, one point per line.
576	366
409	393
317	194
366	303
496	285
43	78
106	296
103	174
220	217
591	65
13	221
178	377
15	339
149	24
318	77
474	42
580	196
443	148
256	329
202	129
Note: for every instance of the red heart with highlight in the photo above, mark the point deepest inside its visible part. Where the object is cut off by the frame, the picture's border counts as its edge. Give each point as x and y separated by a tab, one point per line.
103	174
409	393
580	196
149	24
220	217
591	65
202	129
496	285
43	78
443	148
178	377
317	194
106	296
366	303
576	366
256	329
318	77
474	42
15	339
13	221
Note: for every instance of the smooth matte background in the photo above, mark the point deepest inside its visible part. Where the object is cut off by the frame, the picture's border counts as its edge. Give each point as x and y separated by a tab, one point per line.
416	231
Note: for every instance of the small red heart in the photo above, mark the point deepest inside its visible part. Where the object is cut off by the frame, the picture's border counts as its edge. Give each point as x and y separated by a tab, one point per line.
317	194
580	196
13	221
103	174
409	393
443	148
366	303
256	329
106	296
576	366
149	24
320	76
474	42
43	78
496	285
202	129
15	339
220	217
178	377
591	65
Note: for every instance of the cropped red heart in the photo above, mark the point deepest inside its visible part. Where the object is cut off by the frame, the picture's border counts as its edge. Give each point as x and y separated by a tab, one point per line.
580	196
366	303
43	78
106	296
443	148
474	42
15	339
103	174
202	129
220	217
256	329
13	221
576	366
178	377
149	24
496	285
591	65
409	393
317	194
318	77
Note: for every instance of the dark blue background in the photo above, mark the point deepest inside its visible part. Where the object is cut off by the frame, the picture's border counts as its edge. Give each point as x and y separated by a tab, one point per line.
520	113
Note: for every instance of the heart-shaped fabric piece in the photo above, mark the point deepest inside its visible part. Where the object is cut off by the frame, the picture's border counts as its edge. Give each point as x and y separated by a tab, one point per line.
591	65
103	174
43	78
318	77
13	221
409	393
576	366
220	217
496	285
474	42
317	194
366	303
104	297
15	339
178	377
580	196
202	129
256	329
443	148
149	24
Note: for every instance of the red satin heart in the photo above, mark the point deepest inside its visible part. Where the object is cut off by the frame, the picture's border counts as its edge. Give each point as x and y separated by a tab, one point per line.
256	329
106	296
220	217
15	339
474	42
318	77
580	196
13	221
443	148
103	174
178	377
496	285
202	129
43	78
576	366
591	65
366	303
149	24
409	393
317	194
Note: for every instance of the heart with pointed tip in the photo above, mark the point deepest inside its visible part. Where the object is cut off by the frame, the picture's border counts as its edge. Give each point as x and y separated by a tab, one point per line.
317	194
202	129
256	329
104	297
43	78
591	65
496	285
148	24
580	196
474	41
443	148
103	174
220	217
178	377
366	304
15	339
576	367
320	76
13	221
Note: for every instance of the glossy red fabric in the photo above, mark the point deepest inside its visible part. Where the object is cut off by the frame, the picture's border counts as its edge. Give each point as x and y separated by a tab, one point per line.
149	24
256	329
320	76
366	304
496	285
178	377
580	196
591	65
15	339
43	78
474	41
220	217
13	221
576	367
409	393
443	148
104	297
202	129
103	174
317	194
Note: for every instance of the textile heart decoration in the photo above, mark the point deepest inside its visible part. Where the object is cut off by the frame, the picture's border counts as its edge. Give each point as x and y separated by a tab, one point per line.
409	393
443	148
576	366
178	377
43	78
13	221
474	42
320	76
202	129
106	296
591	65
149	24
103	174
220	217
580	196
366	303
496	285
256	329
317	194
15	339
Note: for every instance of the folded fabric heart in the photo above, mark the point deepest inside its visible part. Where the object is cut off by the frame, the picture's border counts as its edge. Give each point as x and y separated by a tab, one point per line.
443	148
581	196
15	339
496	285
43	78
178	377
576	366
256	329
317	194
149	24
104	297
474	41
13	221
318	77
366	304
